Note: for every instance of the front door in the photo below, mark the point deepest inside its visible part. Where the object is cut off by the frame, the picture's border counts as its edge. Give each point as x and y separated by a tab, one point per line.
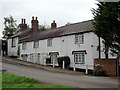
53	56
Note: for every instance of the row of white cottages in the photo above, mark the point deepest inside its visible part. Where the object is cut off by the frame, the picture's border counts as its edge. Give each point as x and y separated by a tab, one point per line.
75	40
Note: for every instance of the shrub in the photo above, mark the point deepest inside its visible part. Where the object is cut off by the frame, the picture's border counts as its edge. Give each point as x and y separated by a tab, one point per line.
64	58
18	51
13	56
100	72
48	60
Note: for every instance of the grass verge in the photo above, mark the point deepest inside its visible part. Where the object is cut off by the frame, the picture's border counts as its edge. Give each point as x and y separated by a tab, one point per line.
14	81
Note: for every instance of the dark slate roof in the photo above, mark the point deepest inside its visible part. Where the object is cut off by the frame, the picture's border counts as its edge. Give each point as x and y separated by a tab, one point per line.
75	28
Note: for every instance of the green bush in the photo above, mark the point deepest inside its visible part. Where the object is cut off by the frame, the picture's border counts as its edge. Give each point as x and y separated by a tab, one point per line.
13	57
64	58
100	72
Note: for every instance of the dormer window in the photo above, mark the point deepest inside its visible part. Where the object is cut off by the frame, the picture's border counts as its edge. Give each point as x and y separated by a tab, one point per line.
79	39
13	42
36	44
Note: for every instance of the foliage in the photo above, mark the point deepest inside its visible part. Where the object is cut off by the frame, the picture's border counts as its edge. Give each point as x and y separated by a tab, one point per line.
97	65
64	58
10	27
13	56
100	72
68	23
107	25
43	27
18	51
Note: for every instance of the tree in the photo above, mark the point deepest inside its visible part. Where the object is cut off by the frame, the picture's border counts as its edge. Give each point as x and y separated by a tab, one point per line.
107	25
10	27
68	23
43	27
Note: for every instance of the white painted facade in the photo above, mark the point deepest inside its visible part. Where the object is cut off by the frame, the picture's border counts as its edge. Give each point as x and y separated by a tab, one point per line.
12	51
64	45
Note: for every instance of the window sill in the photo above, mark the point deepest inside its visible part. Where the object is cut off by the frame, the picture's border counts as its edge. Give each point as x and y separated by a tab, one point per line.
36	47
79	43
79	63
13	46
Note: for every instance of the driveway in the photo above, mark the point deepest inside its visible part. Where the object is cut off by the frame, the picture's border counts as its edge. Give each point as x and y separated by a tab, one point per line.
80	81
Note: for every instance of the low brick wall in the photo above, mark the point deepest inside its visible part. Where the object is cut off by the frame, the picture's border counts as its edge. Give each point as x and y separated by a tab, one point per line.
109	65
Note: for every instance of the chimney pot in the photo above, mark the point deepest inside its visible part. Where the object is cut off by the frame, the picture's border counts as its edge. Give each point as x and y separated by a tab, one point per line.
36	18
53	25
33	18
24	21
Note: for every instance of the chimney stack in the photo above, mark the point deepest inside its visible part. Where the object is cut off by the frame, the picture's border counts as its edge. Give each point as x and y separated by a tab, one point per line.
24	21
53	25
34	24
23	26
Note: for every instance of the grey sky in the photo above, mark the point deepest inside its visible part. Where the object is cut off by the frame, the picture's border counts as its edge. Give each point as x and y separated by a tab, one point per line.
62	11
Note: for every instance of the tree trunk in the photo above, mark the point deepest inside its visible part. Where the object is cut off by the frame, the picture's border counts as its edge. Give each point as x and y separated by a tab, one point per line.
106	50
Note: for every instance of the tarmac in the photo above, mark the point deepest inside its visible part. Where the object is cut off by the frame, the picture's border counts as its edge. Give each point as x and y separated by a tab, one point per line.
39	66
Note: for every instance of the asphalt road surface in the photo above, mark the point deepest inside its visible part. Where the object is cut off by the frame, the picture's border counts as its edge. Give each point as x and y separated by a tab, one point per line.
79	81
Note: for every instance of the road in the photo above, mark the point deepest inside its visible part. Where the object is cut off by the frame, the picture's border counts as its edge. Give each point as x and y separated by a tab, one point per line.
80	81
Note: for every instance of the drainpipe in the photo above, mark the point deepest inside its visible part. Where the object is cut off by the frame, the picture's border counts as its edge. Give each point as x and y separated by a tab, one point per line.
118	57
99	47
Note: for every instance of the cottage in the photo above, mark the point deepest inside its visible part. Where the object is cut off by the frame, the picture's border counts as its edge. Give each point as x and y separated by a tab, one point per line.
75	40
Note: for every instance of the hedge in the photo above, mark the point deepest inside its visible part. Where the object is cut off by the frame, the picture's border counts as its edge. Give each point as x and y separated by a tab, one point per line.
64	58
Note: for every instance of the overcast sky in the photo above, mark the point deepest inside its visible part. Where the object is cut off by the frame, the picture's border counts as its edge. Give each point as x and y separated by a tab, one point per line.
62	11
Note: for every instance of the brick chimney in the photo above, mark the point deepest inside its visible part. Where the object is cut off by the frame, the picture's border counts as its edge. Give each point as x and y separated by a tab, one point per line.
53	25
34	23
23	26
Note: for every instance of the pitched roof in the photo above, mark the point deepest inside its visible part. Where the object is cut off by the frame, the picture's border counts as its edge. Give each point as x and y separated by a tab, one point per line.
75	28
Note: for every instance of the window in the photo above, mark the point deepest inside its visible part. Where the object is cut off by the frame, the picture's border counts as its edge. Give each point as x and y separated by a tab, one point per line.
79	57
24	46
13	42
49	42
36	44
79	39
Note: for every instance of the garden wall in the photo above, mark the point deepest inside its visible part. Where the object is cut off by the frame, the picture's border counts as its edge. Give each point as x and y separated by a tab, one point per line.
109	65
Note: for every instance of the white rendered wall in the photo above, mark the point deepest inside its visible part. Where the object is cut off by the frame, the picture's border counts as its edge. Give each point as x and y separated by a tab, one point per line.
65	45
12	51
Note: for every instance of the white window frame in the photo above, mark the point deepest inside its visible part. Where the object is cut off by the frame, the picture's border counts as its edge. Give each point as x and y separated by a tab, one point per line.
13	42
79	39
36	44
49	42
24	46
79	58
